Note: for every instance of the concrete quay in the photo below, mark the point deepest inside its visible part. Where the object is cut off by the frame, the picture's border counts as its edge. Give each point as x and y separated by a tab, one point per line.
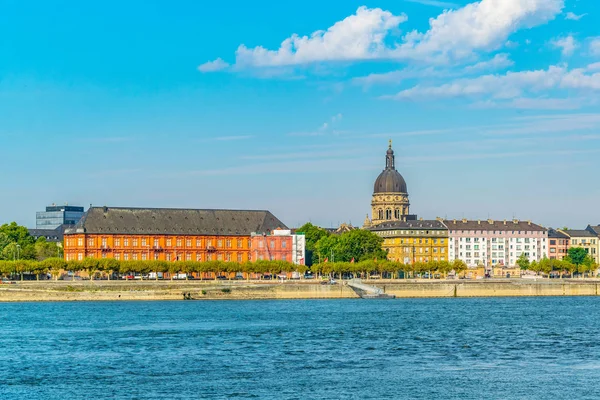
243	290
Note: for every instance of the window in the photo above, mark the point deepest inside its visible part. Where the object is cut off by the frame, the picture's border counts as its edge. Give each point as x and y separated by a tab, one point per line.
261	244
220	243
228	257
156	243
228	243
284	244
272	244
188	256
240	243
135	256
239	257
126	256
388	214
284	257
144	242
169	242
135	242
125	242
198	257
79	241
198	243
80	256
104	242
168	256
156	256
144	257
209	257
178	242
117	256
188	242
220	257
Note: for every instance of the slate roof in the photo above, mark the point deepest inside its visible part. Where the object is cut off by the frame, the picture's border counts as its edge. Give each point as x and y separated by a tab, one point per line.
554	234
51	235
491	225
420	224
174	221
579	233
594	229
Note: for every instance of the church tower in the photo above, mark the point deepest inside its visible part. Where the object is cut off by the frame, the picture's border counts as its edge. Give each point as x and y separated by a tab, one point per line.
390	195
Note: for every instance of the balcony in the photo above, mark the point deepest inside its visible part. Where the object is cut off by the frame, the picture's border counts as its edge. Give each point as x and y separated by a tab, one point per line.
105	249
211	249
157	248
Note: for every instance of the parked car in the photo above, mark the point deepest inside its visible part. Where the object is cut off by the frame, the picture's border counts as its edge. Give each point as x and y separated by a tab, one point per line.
309	276
222	277
7	282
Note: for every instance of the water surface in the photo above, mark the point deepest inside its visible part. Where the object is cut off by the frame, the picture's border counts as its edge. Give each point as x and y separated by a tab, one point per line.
497	348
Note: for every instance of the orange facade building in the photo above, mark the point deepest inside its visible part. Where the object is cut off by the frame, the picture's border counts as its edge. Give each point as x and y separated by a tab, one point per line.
280	244
166	234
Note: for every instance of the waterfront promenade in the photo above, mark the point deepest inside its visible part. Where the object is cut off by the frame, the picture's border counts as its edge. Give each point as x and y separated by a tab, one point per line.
247	290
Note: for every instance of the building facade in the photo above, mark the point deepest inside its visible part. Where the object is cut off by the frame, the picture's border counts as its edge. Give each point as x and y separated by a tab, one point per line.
414	241
492	243
166	234
584	238
558	244
595	229
55	216
280	244
390	195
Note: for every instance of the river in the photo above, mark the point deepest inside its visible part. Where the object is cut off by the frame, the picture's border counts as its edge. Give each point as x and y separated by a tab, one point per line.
496	348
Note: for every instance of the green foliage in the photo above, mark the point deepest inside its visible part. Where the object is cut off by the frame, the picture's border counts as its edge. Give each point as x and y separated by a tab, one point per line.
312	234
17	243
523	261
357	244
577	255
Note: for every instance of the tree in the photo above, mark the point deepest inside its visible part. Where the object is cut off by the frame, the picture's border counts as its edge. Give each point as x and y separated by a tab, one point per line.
577	255
312	234
45	249
523	261
16	242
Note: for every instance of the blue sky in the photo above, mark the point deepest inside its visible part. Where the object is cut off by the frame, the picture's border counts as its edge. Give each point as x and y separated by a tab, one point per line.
492	106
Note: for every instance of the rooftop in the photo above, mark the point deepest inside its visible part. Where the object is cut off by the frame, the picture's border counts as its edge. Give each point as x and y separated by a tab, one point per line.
175	221
416	224
579	233
492	225
553	233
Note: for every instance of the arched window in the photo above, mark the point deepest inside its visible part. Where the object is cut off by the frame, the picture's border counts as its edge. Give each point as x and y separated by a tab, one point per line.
388	214
397	213
380	214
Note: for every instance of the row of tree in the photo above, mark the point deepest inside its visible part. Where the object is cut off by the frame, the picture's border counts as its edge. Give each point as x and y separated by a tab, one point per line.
17	243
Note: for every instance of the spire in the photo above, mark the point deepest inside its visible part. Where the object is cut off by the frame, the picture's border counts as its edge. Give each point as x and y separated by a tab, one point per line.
389	158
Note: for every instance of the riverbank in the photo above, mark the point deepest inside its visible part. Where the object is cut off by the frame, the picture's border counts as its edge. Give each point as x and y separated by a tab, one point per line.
28	291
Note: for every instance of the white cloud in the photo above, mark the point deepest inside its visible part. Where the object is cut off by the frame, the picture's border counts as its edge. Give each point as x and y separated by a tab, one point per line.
593	67
358	37
573	16
595	46
567	45
435	3
499	61
478	26
528	103
455	35
213	66
512	85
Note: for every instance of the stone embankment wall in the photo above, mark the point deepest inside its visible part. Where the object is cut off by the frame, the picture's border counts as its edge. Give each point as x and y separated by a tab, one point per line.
166	290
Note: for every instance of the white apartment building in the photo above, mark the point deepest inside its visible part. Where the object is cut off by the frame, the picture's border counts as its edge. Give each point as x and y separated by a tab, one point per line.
492	243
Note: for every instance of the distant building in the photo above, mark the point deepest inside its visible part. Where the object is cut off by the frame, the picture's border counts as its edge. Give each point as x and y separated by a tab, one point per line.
595	229
492	243
166	234
51	235
390	195
583	238
55	216
343	228
279	244
414	241
558	244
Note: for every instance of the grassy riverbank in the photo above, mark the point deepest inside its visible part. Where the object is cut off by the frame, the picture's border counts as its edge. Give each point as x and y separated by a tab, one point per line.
236	290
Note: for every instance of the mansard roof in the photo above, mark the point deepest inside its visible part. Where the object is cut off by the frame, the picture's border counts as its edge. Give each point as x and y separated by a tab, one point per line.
594	229
416	224
175	221
579	233
491	225
553	233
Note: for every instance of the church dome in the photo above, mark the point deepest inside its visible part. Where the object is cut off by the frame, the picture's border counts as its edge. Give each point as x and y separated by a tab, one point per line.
390	180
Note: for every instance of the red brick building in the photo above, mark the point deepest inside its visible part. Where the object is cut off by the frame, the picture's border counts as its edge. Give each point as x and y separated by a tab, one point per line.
279	244
558	244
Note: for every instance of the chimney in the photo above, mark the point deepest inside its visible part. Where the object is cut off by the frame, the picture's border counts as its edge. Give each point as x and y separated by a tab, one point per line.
478	222
464	220
504	222
529	222
491	221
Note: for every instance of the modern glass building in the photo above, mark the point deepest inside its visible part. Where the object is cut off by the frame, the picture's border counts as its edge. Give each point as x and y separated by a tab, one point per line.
55	216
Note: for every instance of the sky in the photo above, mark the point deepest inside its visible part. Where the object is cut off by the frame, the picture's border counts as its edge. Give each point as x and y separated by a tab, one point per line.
492	106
